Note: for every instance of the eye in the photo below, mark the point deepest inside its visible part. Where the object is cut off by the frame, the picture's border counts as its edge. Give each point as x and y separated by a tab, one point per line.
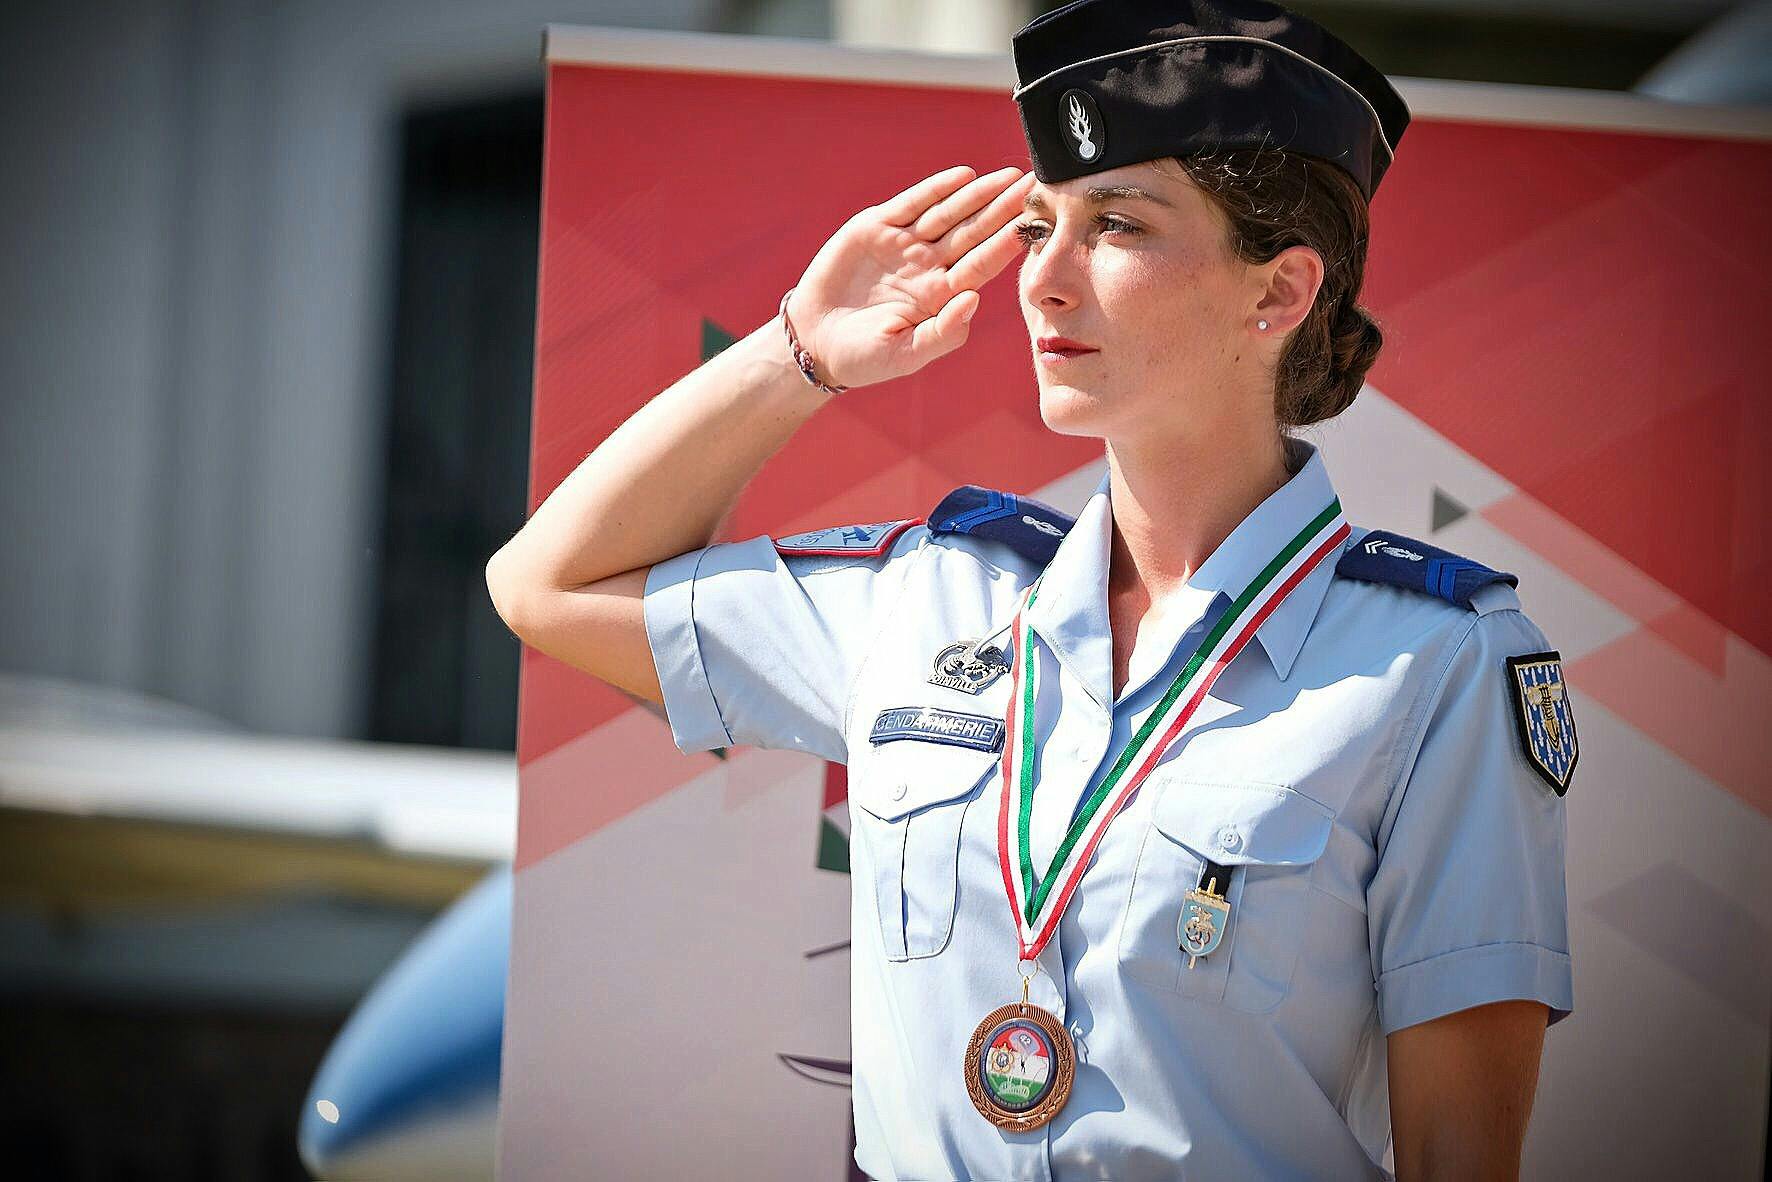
1032	232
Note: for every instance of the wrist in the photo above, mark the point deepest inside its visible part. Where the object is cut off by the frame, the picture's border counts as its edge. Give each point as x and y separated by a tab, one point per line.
774	373
806	363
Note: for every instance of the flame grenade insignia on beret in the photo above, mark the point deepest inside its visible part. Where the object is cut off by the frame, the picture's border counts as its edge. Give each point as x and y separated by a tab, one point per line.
1082	131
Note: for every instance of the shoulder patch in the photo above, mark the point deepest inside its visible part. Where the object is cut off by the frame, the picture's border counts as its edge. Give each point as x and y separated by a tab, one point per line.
1547	725
1385	557
1029	527
849	541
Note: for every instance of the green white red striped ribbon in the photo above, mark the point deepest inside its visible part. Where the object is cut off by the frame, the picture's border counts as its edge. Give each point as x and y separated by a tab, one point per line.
1038	901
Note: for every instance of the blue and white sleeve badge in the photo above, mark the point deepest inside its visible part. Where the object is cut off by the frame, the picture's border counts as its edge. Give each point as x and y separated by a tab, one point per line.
848	541
1547	724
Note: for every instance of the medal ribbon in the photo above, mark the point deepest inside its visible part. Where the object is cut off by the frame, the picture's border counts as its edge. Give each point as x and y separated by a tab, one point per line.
1035	903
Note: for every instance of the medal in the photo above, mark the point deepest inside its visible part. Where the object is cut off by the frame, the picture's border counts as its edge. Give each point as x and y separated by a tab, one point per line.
1019	1065
1020	1060
1204	913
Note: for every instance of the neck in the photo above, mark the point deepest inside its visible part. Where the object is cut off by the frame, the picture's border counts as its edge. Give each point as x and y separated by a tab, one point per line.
1176	500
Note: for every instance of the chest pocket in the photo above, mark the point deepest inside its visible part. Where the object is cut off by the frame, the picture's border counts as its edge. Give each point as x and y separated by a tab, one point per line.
907	800
1271	836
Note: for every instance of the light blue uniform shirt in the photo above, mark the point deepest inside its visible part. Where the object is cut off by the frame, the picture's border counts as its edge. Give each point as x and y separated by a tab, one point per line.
1358	763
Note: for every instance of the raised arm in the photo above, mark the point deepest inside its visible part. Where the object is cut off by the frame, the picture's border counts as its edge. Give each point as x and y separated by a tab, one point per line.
891	291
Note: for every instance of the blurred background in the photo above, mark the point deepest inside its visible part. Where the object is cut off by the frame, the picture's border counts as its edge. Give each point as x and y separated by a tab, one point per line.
265	366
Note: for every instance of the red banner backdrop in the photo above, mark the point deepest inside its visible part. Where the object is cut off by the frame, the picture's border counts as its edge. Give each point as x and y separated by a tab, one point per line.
1572	387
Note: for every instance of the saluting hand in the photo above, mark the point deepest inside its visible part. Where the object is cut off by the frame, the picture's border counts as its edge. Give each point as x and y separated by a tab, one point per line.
897	284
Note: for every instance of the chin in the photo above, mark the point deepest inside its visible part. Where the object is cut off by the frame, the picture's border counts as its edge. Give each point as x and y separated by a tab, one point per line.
1067	410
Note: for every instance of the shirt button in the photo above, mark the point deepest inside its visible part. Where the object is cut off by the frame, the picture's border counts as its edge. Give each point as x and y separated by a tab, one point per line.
898	792
1230	840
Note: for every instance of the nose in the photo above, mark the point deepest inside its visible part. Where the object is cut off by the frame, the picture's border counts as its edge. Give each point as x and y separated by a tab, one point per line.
1054	274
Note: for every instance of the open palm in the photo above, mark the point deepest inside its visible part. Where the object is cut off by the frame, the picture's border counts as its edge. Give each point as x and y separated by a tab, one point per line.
895	287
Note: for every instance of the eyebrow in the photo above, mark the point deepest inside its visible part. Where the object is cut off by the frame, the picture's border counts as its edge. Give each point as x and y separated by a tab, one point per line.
1099	194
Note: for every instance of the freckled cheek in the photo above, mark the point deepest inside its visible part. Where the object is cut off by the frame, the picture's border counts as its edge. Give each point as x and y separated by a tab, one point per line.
1156	301
1155	304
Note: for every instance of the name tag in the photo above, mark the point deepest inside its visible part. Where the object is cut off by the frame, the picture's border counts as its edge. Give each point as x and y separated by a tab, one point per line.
978	731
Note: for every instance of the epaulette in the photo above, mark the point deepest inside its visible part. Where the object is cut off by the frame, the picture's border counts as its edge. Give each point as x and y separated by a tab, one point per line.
1030	528
1385	557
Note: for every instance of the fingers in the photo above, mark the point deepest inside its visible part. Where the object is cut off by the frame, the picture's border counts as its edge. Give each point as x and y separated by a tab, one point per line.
908	206
982	263
944	331
944	215
980	224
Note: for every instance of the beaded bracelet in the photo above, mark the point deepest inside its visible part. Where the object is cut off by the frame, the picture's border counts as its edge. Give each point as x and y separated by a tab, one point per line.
801	357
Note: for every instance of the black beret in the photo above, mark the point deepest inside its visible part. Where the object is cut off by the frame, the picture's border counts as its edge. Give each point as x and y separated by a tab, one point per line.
1105	83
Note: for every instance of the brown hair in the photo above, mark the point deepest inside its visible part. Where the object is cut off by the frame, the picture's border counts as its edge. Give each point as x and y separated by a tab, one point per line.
1273	199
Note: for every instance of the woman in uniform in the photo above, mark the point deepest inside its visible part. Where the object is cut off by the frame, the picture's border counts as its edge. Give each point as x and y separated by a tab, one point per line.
1203	835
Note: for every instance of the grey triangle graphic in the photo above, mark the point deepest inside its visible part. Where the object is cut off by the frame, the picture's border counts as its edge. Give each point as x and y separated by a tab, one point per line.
1446	511
714	339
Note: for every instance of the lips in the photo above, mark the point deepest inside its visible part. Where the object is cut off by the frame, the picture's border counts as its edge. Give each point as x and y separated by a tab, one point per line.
1063	346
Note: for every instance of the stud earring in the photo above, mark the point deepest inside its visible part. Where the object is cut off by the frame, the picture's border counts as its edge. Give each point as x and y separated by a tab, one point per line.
1261	324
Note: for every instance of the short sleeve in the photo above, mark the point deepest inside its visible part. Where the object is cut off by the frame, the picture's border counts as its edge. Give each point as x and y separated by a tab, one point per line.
1468	903
761	649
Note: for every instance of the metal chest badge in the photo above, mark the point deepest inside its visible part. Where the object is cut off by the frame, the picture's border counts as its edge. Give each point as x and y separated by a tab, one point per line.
1546	723
966	667
1204	915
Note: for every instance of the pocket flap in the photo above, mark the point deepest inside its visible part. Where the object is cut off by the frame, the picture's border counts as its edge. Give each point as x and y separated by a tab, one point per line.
892	779
1234	822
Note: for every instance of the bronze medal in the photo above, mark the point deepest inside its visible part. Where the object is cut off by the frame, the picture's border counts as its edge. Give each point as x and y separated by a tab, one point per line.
1019	1066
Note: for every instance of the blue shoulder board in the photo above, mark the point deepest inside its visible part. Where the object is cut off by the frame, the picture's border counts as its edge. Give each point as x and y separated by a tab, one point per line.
1385	557
1030	528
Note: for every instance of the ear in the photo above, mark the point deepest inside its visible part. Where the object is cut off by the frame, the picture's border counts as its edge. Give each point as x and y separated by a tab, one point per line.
1287	285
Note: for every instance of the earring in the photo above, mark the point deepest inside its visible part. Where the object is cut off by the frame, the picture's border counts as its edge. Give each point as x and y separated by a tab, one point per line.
1261	324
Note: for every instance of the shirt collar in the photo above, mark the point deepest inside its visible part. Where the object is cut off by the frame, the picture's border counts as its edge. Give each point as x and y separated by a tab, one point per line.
1071	613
